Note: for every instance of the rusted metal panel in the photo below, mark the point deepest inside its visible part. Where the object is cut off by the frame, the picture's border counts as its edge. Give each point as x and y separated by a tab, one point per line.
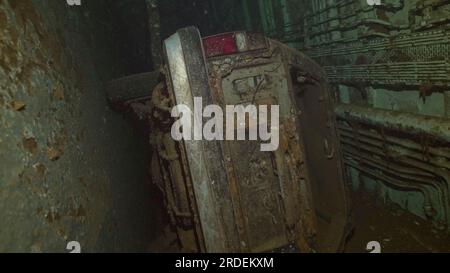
265	77
322	149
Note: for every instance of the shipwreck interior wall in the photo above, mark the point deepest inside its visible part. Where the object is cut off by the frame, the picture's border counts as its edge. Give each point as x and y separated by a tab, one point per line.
71	169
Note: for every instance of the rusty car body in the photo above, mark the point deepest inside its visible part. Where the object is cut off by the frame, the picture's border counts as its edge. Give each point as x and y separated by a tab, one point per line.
228	196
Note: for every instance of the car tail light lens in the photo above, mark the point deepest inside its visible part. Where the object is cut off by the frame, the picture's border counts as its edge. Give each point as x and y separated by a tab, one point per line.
232	43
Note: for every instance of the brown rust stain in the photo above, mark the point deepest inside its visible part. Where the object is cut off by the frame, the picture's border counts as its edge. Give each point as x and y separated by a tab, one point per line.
58	93
52	216
56	149
3	19
30	145
77	212
8	58
40	169
53	154
25	11
18	106
48	57
425	90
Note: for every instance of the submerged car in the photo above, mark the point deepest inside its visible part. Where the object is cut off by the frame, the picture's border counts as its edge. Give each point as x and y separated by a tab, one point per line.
229	196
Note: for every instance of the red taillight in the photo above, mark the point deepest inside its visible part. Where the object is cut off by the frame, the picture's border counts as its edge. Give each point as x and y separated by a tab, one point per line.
224	44
232	43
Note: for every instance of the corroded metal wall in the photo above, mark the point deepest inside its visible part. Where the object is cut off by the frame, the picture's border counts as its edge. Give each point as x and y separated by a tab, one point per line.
70	169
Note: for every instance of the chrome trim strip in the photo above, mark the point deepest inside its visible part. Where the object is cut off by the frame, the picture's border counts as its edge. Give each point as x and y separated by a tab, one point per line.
209	214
